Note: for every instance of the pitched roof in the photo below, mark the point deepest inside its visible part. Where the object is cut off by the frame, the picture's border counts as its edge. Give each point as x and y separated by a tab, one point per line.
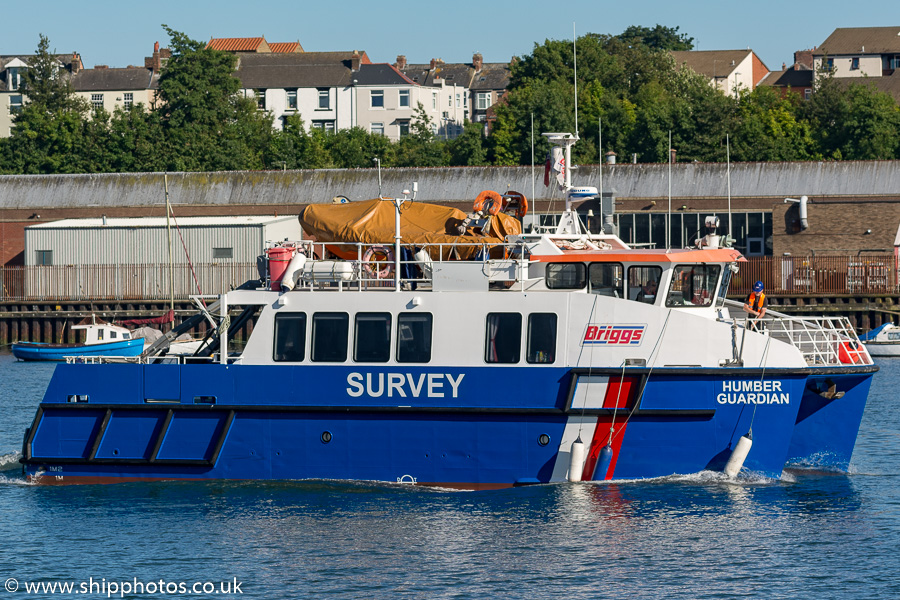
65	61
711	63
852	40
795	78
492	76
301	69
285	47
381	74
90	80
254	44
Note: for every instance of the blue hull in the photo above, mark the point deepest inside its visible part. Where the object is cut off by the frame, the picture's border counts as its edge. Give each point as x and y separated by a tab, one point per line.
34	351
828	421
119	422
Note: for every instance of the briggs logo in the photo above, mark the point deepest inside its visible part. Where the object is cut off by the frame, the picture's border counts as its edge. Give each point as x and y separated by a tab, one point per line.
614	335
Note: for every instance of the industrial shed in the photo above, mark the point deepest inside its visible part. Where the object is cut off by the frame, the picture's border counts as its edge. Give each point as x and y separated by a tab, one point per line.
140	241
128	258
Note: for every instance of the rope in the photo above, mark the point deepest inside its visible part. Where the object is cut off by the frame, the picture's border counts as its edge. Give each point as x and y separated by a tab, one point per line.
650	372
761	378
186	253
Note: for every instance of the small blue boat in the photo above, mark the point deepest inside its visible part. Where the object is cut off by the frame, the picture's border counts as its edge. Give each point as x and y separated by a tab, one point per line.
102	339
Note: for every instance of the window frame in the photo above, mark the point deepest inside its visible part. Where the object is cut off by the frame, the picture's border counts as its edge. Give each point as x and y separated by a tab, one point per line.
622	279
488	338
376	128
379	94
279	317
482	100
559	266
642	282
291	99
385	352
415	316
529	339
314	350
326	94
260	99
401	94
711	288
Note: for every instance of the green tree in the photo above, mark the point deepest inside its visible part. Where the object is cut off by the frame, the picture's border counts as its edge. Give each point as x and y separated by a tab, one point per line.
207	124
770	128
469	148
658	38
46	85
420	148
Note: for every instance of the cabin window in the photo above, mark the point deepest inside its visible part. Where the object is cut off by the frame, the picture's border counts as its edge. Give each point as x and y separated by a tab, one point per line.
290	337
607	279
329	336
100	334
693	285
414	338
643	283
504	338
723	287
541	338
566	276
372	337
113	334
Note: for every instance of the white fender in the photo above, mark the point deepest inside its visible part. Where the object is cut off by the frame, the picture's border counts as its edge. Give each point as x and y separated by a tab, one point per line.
576	461
738	456
293	272
423	260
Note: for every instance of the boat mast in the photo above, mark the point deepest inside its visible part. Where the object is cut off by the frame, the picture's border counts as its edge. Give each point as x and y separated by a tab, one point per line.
169	245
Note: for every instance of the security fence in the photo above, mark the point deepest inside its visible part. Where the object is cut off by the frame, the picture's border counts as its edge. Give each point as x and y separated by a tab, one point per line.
829	275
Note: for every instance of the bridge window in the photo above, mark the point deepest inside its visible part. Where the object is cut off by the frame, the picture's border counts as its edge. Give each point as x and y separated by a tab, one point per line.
566	276
693	285
643	283
329	336
372	338
414	338
290	337
607	279
504	338
541	338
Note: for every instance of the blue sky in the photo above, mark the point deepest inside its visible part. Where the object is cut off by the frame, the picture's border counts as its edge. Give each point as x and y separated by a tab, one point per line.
119	33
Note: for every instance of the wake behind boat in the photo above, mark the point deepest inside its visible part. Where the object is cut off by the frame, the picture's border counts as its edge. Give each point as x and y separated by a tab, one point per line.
101	339
473	364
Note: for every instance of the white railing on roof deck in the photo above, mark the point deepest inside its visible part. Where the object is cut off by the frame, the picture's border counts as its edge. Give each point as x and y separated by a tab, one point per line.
374	264
823	341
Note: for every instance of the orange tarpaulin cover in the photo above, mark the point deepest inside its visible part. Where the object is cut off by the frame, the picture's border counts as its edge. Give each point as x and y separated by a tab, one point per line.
372	222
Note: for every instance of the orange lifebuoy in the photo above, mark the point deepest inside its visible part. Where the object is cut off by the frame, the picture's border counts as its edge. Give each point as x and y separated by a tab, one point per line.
378	262
488	201
522	203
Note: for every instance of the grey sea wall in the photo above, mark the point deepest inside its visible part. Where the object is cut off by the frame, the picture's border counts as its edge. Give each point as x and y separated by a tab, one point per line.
457	184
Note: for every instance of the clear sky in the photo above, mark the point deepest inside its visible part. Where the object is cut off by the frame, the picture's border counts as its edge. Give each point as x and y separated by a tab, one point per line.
119	33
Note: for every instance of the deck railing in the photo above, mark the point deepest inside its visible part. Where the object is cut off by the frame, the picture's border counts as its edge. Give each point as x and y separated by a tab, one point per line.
823	341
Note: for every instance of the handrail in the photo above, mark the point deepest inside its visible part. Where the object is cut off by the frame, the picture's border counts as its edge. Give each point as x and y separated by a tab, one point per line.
823	341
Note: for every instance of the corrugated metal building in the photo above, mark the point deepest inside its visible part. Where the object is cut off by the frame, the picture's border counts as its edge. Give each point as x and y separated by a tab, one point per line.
141	241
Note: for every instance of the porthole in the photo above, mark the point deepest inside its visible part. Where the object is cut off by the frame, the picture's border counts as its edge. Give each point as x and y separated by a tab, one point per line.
326	437
543	439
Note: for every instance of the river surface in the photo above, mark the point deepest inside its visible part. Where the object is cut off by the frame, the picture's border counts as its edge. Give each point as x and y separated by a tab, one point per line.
809	535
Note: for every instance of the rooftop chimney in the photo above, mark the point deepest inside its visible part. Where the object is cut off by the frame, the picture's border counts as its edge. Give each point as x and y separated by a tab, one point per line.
401	62
76	63
432	64
354	61
477	61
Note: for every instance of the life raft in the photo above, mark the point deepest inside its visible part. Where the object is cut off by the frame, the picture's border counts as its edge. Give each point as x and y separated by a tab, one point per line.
519	201
378	262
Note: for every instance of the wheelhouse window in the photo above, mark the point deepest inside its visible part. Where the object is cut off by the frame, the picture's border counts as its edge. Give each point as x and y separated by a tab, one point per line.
693	285
290	337
566	276
372	338
414	338
329	336
643	283
607	279
541	338
504	338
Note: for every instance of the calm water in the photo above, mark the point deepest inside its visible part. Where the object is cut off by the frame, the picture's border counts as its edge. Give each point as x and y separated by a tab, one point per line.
813	535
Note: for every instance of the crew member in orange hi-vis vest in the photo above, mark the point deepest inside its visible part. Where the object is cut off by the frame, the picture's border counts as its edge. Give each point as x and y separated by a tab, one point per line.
755	304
